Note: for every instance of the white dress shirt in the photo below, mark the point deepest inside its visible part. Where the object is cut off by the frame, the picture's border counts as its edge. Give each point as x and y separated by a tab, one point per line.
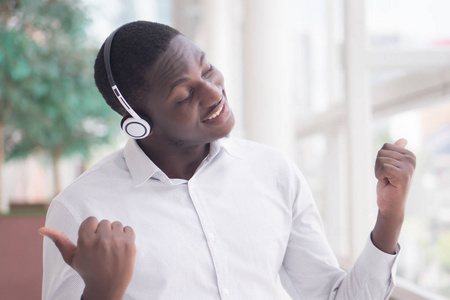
246	216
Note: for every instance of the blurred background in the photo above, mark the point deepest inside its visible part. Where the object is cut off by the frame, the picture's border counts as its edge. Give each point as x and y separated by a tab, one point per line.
326	81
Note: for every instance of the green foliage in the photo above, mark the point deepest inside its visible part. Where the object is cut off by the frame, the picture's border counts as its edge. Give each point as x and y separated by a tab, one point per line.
48	97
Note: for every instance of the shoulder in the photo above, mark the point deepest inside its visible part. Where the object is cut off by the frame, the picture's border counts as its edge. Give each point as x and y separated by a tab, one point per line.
261	158
102	178
254	151
248	148
110	167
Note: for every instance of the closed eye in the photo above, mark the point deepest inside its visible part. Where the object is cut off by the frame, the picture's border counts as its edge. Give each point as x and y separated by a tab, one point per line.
189	97
209	70
191	91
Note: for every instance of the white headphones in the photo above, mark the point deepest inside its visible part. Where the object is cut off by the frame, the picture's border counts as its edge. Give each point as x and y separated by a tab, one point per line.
133	125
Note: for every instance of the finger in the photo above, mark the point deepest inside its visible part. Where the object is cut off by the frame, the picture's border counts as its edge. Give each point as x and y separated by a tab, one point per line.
401	142
386	171
390	154
390	161
62	242
88	227
382	169
397	146
397	152
404	155
396	176
117	227
104	226
130	232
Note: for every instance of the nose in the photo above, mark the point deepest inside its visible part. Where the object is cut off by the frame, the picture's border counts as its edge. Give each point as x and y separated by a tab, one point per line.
210	94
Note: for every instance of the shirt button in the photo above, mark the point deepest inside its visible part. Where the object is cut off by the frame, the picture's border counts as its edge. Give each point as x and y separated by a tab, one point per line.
211	236
226	291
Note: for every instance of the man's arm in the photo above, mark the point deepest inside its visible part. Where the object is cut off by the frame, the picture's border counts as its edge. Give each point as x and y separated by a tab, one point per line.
104	256
310	270
394	168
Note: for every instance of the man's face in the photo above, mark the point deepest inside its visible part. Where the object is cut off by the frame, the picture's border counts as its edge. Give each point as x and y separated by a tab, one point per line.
187	103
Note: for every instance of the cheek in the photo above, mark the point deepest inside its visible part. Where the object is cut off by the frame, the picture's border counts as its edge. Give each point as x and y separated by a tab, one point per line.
180	121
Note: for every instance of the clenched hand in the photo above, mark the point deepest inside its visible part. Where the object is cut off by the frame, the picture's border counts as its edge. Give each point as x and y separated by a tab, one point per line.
394	168
104	256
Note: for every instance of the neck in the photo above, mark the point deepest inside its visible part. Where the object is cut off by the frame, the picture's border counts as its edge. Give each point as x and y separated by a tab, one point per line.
177	161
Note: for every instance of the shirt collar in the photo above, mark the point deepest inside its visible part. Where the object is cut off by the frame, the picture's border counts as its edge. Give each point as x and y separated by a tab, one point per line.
140	166
143	168
230	146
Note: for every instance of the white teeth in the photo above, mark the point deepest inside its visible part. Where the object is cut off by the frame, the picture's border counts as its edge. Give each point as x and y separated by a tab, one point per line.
216	113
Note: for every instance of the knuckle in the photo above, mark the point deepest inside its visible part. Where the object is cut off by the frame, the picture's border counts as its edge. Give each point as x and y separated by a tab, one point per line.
378	162
128	230
89	220
116	223
104	222
85	242
380	152
404	175
411	160
104	242
131	247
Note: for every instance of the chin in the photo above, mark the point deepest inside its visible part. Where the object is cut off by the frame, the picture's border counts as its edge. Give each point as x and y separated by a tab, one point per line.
228	128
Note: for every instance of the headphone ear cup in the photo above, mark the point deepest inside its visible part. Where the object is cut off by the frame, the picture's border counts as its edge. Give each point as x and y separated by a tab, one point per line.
136	128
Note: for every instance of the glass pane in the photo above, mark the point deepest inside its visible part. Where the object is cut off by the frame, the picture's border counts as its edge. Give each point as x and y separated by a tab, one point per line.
414	24
318	38
425	238
311	160
107	15
322	158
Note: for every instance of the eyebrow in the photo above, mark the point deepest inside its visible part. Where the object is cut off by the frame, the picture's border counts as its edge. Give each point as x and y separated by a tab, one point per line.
182	80
202	58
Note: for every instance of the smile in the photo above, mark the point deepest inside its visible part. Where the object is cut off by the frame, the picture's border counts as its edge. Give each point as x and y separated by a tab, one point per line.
216	113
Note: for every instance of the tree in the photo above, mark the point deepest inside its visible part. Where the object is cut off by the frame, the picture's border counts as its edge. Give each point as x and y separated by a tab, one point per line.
48	99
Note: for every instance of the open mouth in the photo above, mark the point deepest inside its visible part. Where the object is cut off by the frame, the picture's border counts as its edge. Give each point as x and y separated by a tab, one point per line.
218	110
216	113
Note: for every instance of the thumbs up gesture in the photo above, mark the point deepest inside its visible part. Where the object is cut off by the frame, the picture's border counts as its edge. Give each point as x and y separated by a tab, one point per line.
104	256
394	168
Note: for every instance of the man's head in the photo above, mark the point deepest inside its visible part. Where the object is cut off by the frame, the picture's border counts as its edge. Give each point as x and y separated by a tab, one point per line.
169	81
135	49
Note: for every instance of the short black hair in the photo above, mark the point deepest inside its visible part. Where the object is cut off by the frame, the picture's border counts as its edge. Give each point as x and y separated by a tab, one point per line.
135	48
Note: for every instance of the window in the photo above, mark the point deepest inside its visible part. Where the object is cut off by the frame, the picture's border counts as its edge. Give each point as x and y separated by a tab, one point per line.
426	232
398	80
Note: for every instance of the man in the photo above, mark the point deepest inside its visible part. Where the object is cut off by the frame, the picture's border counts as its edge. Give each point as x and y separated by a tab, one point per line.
213	217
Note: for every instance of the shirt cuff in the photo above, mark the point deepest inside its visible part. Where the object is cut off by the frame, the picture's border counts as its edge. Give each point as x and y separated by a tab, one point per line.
377	263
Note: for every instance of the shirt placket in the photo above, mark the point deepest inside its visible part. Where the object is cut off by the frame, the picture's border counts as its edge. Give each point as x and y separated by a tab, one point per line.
212	240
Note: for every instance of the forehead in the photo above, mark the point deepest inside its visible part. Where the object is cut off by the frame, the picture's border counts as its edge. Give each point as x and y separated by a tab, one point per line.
177	61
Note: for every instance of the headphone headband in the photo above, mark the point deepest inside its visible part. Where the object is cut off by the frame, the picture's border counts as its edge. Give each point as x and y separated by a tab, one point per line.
106	56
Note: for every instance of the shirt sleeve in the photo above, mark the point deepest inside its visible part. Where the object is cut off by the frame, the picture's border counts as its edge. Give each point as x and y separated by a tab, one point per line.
59	280
371	277
310	269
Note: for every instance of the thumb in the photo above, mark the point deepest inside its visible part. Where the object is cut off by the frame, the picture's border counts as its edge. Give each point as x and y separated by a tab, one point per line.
401	143
62	242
